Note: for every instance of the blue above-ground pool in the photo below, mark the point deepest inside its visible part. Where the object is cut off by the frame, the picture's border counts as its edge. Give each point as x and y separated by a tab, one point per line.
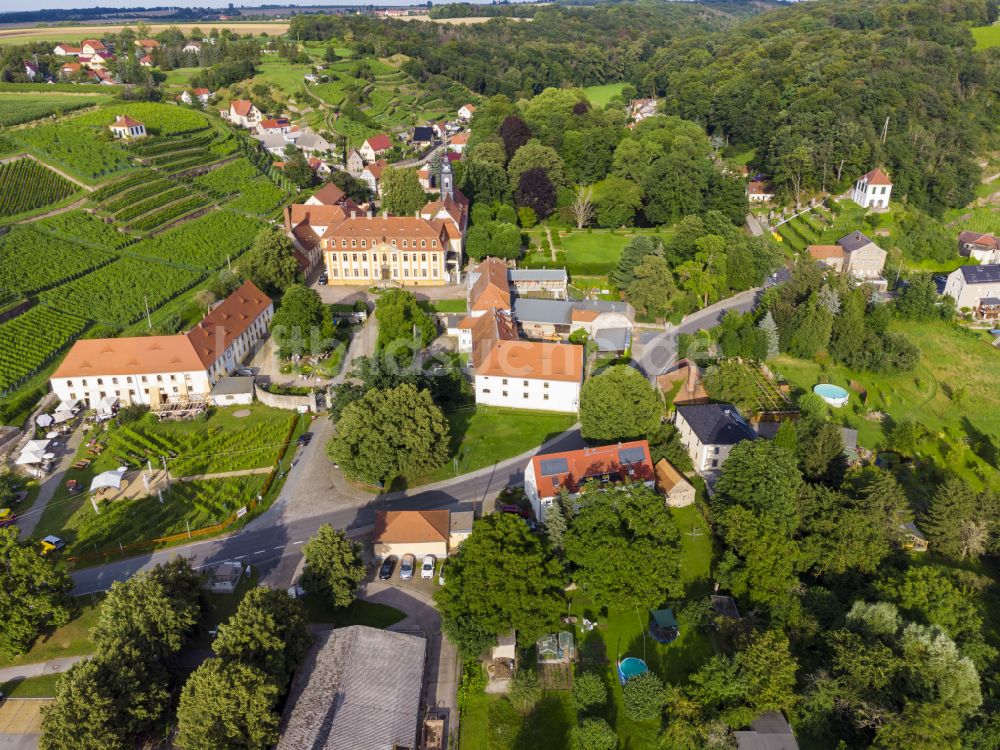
832	394
630	667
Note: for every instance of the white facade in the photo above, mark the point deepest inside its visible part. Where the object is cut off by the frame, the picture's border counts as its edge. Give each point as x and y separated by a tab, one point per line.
528	393
871	194
368	153
133	389
137	130
466	111
248	120
234	354
967	291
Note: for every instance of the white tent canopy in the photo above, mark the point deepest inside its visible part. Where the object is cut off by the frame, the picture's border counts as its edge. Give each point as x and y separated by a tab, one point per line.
63	415
36	446
67	405
28	457
44	420
108	479
106	407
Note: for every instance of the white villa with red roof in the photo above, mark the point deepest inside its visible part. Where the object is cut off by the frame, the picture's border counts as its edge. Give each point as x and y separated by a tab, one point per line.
273	126
243	112
872	190
196	95
159	370
547	475
375	146
466	111
125	127
984	248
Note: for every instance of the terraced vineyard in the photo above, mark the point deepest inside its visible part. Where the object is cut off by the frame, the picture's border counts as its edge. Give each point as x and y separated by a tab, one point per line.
31	340
83	228
26	185
815	227
21	107
228	179
231	234
31	261
168	214
159	119
258	197
76	150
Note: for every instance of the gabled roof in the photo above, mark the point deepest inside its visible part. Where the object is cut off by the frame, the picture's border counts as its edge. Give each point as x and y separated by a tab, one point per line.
380	142
134	355
384	228
854	241
147	43
329	195
980	240
487	329
376	168
825	252
491	288
667	476
411	526
533	360
318	217
124	121
988	274
621	462
423	134
227	321
759	187
470	107
201	92
241	107
877	177
456	207
96	44
459	139
716	424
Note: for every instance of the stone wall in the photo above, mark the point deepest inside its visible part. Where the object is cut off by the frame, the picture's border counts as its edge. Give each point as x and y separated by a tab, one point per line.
294	403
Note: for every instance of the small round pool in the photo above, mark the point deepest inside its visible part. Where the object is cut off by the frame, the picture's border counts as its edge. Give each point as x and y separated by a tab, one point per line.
630	667
832	394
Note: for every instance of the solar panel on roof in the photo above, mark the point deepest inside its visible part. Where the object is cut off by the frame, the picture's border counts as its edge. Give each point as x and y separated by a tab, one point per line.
627	456
551	466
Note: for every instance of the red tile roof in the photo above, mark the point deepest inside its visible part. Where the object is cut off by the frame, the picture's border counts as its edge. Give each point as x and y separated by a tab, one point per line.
823	252
274	123
620	462
491	288
376	168
380	142
329	195
982	240
227	322
124	121
241	106
411	526
533	360
877	177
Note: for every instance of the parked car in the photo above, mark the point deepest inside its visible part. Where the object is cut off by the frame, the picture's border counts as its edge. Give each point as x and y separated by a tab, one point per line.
406	567
246	372
323	278
7	517
52	544
516	510
388	566
427	569
304	438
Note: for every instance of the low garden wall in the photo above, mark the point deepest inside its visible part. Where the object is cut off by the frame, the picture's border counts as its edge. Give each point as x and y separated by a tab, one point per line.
281	401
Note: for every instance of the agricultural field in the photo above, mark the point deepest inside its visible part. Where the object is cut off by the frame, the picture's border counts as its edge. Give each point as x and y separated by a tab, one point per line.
984	219
31	339
83	228
231	234
159	119
79	151
228	179
76	33
599	96
18	108
118	294
986	36
26	185
257	197
168	214
31	261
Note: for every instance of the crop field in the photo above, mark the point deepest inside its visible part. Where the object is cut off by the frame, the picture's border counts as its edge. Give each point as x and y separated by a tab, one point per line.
31	261
150	187
257	197
166	215
983	219
83	228
30	340
76	33
986	36
26	185
77	150
159	119
230	234
228	179
117	294
17	108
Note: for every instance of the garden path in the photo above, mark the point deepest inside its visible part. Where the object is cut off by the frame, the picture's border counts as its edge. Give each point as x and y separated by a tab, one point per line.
50	485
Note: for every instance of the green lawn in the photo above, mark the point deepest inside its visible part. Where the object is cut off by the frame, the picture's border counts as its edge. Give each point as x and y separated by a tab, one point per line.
444	305
283	75
43	686
986	36
600	95
488	434
72	639
179	76
359	612
953	358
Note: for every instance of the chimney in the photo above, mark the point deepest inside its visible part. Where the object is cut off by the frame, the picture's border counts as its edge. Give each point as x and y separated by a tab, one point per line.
416	214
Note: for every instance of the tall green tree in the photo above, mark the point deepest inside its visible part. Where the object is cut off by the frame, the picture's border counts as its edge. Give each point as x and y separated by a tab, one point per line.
952	518
401	191
502	578
301	325
271	263
621	533
87	713
400	317
35	593
652	288
619	404
391	433
333	566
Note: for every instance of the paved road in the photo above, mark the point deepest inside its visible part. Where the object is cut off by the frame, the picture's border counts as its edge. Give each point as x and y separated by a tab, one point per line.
273	544
52	666
52	483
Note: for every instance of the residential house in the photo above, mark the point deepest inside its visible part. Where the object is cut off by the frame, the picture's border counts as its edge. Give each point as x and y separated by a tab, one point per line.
69	70
407	250
976	288
354	162
466	111
831	256
274	143
244	113
202	96
101	76
770	731
458	142
759	191
414	532
374	147
99	61
709	432
440	129
312	144
91	47
31	70
422	136
371	175
319	167
146	61
984	248
552	319
476	334
488	288
547	475
863	259
359	688
424	178
273	126
67	50
450	157
328	195
158	370
640	109
147	45
192	47
530	375
872	190
127	128
673	484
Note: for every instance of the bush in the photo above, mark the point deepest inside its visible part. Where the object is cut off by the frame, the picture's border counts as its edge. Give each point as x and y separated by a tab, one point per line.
473	684
525	690
593	734
643	697
589	692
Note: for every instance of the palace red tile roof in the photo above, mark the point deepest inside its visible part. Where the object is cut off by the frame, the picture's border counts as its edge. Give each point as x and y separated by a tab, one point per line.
227	322
130	356
491	289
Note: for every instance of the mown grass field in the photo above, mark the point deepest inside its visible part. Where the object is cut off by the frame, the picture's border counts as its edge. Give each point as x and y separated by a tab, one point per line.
599	96
986	36
952	394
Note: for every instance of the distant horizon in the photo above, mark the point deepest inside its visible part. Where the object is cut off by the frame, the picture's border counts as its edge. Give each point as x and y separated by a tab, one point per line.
14	6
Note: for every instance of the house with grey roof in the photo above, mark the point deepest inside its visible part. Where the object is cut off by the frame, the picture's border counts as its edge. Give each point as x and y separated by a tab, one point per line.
557	319
539	282
358	688
977	289
770	731
863	259
709	432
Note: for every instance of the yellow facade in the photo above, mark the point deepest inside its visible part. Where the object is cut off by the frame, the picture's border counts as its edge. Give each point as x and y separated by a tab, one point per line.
416	265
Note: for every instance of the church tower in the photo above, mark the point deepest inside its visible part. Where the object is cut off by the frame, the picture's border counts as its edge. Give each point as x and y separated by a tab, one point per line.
447	179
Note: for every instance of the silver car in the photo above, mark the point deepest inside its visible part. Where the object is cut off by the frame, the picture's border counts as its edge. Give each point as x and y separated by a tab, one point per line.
406	567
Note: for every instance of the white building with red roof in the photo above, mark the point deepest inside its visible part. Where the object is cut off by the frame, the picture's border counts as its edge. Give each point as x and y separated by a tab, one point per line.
202	96
244	113
984	248
126	127
273	126
547	475
66	50
158	370
375	146
466	111
92	47
872	190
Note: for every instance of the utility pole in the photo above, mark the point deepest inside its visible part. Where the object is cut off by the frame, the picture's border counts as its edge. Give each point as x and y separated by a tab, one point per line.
885	130
149	321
